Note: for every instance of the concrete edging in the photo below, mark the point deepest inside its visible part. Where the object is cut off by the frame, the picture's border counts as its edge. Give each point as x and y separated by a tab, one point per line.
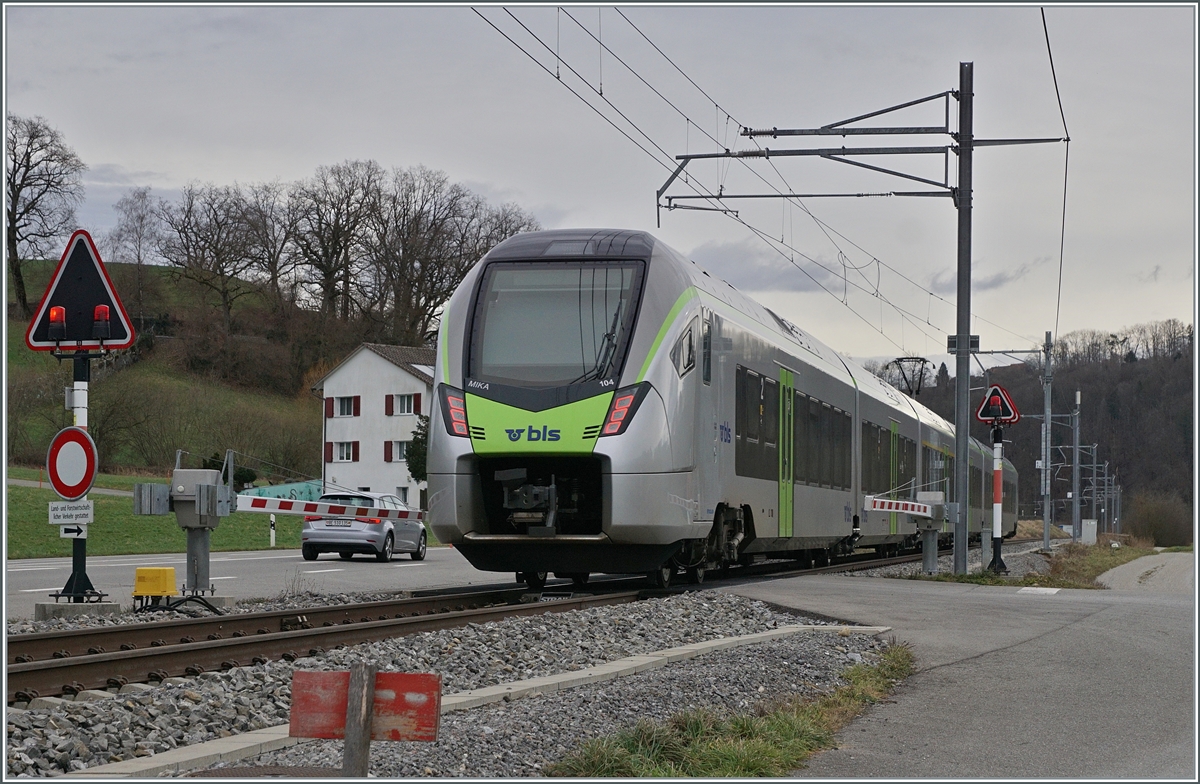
251	744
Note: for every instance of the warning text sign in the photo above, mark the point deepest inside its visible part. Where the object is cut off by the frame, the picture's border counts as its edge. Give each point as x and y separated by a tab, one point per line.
76	512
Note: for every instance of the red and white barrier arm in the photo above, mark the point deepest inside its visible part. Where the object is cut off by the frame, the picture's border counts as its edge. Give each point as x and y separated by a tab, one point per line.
258	503
873	504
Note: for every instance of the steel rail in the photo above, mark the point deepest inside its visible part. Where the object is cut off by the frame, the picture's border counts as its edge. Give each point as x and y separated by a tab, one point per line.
97	671
125	637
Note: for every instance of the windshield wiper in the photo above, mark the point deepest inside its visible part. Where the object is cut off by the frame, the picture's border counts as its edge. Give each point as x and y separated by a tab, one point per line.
607	349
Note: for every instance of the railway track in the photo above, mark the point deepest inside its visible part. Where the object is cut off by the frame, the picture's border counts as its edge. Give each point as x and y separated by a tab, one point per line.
65	663
50	676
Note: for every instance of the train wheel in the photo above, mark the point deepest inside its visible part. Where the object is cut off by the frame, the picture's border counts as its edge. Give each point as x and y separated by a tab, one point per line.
661	577
695	574
535	580
821	558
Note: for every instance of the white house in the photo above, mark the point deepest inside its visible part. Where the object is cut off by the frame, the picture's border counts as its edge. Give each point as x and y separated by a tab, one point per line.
371	401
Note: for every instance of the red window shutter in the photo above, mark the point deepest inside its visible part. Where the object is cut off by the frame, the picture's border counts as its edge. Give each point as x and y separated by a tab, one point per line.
389	404
357	405
354	451
328	408
329	449
417	403
387	451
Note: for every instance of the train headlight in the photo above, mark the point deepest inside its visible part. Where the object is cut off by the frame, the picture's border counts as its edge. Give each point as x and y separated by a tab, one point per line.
454	411
624	405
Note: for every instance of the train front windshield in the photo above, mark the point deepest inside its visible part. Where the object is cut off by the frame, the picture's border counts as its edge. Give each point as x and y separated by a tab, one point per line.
548	324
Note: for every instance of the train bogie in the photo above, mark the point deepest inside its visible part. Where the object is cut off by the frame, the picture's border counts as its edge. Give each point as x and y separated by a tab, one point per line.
607	406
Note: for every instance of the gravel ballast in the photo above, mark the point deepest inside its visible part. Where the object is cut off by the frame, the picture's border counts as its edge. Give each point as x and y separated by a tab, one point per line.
77	735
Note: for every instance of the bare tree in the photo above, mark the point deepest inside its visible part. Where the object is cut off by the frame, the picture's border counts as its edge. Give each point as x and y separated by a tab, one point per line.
207	238
426	232
328	212
44	187
137	235
271	232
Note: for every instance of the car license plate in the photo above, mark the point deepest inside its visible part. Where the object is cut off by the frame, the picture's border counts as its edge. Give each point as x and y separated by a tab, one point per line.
337	523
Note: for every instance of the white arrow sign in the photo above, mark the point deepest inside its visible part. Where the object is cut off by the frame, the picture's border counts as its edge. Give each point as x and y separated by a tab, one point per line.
72	532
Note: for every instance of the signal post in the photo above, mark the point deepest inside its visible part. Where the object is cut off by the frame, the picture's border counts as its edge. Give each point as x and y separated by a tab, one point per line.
998	409
81	317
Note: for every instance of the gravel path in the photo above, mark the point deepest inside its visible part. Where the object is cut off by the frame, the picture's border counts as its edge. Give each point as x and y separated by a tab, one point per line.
74	736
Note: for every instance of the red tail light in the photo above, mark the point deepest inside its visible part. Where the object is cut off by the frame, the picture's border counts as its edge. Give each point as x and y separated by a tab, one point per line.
454	411
625	403
370	520
310	518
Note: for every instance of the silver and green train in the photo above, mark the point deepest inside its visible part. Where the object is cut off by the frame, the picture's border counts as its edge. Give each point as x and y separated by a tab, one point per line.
604	404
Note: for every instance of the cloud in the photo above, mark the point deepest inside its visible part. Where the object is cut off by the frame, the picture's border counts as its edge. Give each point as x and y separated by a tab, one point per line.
751	265
946	281
113	174
1151	276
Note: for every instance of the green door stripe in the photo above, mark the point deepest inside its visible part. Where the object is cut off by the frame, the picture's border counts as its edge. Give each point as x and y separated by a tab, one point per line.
787	447
443	339
684	298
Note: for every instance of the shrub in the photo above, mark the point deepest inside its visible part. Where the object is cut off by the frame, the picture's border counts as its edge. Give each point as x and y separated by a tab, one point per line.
1163	517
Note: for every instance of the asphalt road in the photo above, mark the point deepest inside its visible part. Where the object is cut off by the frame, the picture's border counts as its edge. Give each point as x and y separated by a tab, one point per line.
247	575
1016	683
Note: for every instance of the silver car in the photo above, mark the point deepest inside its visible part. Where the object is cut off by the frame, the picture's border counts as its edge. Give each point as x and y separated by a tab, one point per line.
368	535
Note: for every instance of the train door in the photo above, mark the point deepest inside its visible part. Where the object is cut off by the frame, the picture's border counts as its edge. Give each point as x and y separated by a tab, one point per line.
787	447
708	434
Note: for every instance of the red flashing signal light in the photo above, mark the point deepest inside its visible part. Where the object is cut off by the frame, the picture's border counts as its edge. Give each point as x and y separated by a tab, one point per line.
100	328
58	323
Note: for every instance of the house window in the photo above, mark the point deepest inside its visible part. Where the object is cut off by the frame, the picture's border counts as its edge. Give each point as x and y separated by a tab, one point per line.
343	451
404	404
346	406
403	493
395	451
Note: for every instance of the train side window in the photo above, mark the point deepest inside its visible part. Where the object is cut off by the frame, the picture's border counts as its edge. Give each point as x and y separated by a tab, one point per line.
817	448
753	404
770	411
847	449
827	445
683	353
740	404
706	351
800	447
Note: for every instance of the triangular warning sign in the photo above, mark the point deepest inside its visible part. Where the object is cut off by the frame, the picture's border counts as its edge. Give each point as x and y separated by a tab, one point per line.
997	406
81	287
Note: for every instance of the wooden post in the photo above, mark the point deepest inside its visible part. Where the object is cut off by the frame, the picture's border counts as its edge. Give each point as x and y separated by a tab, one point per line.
356	758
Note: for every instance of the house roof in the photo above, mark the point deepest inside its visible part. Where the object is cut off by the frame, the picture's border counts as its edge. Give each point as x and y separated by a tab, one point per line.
415	360
412	358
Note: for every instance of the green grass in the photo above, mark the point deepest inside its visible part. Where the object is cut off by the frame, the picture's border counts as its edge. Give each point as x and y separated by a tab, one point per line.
774	741
1072	566
117	531
1179	548
108	481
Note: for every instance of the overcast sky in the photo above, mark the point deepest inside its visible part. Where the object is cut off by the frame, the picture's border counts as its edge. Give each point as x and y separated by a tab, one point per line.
160	96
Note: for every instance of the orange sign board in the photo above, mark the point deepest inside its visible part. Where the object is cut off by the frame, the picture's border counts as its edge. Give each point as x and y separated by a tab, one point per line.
408	705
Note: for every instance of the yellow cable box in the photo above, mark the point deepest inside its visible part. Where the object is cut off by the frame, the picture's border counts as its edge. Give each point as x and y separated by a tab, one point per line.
154	581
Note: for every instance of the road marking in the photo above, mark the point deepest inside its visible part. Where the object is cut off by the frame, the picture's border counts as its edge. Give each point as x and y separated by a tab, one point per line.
1034	589
318	571
37	590
223	578
36	568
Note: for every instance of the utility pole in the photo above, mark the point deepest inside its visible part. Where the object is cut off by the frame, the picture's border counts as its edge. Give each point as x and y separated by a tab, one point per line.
1076	522
962	386
961	194
1047	512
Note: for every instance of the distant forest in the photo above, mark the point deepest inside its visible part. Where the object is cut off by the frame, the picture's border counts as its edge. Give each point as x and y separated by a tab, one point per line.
1137	406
